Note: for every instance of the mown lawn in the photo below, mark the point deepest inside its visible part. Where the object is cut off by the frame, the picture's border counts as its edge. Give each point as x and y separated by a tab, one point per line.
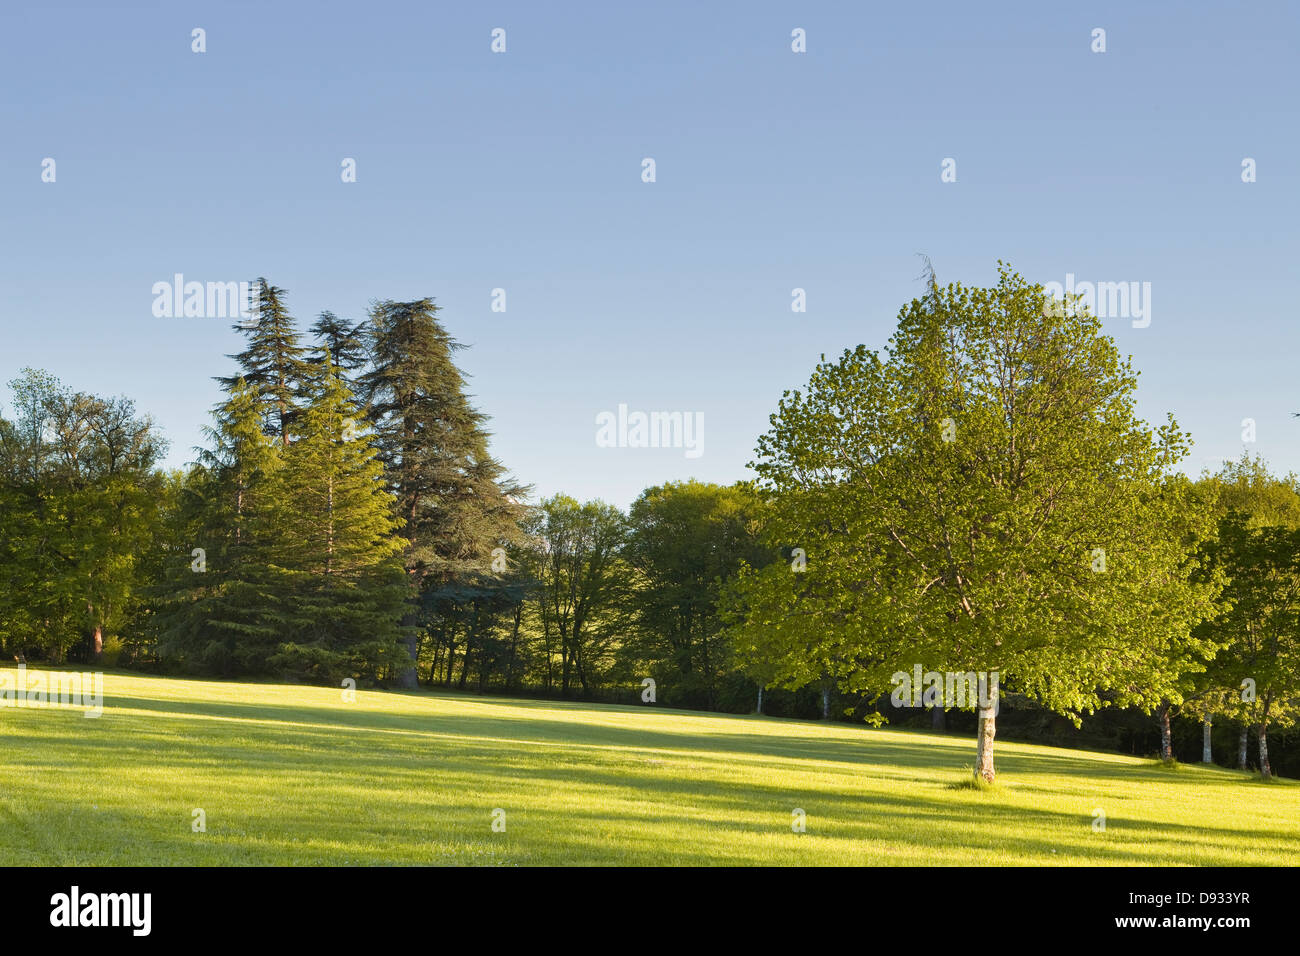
296	775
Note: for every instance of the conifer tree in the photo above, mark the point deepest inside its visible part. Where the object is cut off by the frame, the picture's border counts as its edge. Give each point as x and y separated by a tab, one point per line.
221	607
336	525
455	502
339	342
274	364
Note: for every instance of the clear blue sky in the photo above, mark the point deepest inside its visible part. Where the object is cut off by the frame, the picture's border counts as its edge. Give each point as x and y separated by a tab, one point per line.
775	170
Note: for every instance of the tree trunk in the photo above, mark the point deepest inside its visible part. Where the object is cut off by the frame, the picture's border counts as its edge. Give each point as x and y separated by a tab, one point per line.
514	643
406	679
1166	735
451	660
1241	749
760	699
464	664
938	719
97	647
471	640
1265	769
1207	756
437	660
984	745
564	665
826	702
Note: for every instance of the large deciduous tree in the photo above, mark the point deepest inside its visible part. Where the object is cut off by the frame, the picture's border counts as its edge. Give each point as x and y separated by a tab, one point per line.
686	541
980	498
78	515
582	581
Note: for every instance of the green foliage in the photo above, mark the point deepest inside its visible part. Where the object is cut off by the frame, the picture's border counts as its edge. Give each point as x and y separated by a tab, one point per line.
335	544
114	647
274	365
455	502
575	555
79	515
686	541
956	500
1256	677
300	571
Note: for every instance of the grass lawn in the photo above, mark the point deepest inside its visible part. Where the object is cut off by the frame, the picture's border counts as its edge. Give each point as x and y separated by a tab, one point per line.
295	775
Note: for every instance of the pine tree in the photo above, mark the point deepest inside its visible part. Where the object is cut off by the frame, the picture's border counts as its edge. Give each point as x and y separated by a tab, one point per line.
455	502
274	364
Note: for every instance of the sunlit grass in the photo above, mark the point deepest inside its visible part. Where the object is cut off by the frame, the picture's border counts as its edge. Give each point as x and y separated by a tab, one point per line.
296	775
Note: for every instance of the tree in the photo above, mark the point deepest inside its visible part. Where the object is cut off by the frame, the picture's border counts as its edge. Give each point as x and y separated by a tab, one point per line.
335	538
582	585
455	502
1170	671
340	343
686	540
274	365
982	499
221	606
1256	678
80	503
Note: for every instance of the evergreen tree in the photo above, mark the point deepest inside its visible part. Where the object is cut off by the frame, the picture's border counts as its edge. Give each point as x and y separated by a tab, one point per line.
335	534
340	343
222	605
455	502
274	364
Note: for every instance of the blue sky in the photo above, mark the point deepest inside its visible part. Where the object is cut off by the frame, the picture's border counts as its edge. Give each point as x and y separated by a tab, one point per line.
774	170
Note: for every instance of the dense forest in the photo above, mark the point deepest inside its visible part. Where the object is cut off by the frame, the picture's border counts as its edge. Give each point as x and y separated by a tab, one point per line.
981	495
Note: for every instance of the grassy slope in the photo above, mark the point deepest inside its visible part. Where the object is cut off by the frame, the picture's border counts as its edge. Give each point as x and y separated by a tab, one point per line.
293	775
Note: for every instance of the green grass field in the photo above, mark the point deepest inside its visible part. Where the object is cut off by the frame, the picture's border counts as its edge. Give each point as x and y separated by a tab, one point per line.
295	775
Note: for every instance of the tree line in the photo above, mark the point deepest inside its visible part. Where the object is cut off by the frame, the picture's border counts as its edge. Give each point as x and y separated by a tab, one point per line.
979	497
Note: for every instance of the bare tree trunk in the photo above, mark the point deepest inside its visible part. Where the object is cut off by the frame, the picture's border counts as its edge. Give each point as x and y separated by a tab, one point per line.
826	700
1207	755
760	699
984	745
938	719
1166	734
1265	769
97	648
1241	748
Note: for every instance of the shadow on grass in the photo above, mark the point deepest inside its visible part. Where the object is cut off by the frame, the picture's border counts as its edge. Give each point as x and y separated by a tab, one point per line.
398	759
